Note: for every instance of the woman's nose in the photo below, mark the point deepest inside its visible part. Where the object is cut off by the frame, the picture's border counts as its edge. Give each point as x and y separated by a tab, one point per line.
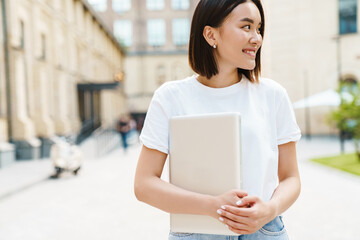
256	39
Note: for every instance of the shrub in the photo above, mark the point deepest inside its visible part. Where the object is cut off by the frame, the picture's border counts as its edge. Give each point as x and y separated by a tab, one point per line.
347	116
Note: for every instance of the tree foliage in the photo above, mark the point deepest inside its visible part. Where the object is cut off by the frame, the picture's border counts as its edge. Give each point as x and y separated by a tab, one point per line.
347	116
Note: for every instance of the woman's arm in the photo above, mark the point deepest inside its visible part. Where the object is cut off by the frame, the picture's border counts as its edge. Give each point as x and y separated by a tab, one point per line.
151	189
248	220
289	188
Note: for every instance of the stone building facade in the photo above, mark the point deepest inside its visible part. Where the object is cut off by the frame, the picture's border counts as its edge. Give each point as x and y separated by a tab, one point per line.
155	34
62	64
305	49
310	46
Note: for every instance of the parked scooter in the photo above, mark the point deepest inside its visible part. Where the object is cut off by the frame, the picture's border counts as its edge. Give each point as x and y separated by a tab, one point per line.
66	156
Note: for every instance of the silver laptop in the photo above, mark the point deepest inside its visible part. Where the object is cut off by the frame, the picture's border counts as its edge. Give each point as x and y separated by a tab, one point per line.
205	157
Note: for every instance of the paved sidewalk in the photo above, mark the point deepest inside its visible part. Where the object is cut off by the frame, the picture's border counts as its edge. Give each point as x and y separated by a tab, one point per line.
100	203
22	175
328	207
28	173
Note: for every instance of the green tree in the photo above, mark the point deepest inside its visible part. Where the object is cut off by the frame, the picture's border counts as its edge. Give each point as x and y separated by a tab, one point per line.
347	116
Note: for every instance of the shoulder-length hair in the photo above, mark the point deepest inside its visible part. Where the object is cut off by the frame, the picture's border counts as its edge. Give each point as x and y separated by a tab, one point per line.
213	13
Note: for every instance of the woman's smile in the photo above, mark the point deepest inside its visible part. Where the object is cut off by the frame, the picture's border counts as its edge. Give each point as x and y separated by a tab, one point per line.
250	52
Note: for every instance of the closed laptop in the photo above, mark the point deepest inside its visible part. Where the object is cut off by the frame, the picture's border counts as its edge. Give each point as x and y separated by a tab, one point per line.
205	157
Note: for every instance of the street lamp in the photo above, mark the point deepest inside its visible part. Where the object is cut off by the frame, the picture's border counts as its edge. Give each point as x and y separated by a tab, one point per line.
338	61
307	107
337	39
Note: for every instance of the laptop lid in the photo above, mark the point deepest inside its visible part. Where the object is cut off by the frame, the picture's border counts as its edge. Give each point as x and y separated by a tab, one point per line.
205	157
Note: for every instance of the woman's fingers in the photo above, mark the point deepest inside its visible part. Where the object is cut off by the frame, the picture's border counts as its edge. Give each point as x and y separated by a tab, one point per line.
239	226
242	219
233	217
241	193
243	212
238	231
247	217
238	195
247	201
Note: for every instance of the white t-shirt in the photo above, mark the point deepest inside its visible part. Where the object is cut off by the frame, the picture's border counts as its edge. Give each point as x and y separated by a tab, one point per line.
267	120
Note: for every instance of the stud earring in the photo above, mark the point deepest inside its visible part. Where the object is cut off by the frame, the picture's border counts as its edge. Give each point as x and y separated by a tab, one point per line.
214	46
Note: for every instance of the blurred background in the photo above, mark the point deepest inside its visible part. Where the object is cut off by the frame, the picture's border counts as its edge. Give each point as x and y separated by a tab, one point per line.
77	77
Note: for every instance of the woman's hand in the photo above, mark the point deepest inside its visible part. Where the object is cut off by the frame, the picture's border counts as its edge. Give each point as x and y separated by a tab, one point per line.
229	198
249	216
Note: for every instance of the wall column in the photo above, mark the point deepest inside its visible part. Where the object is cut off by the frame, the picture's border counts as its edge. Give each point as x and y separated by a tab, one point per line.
23	130
62	121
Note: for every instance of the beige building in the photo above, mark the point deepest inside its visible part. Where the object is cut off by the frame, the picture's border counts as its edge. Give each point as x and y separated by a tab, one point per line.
155	34
63	65
309	46
305	48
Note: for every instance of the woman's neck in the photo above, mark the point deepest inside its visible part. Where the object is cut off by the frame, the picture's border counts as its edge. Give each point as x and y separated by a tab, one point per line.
221	80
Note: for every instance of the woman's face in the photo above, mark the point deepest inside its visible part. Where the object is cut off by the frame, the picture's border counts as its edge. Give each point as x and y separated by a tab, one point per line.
239	37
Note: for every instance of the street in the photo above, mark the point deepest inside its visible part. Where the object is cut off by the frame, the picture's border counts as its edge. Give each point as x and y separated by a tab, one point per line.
99	203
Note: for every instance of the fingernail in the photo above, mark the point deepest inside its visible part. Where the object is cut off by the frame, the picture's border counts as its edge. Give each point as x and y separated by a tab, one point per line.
223	207
227	226
218	211
238	202
221	219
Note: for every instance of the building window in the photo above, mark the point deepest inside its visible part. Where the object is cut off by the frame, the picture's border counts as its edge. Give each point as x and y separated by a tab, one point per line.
180	31
347	16
123	32
155	4
43	47
121	6
161	74
22	35
156	32
180	4
98	5
177	71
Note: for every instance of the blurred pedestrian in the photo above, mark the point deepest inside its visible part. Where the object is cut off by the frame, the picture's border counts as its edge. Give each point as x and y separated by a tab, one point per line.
224	49
123	126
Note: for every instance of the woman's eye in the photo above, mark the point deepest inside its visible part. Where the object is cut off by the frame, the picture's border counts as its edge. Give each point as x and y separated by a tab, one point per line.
247	27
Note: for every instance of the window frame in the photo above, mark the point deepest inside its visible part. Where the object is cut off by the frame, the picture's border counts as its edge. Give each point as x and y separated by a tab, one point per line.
155	5
178	5
183	34
348	25
96	7
127	42
121	3
162	35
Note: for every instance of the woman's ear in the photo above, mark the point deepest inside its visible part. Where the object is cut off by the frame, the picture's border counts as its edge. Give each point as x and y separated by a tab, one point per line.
209	34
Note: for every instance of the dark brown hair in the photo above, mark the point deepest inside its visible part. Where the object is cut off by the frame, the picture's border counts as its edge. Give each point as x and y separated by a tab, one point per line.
213	13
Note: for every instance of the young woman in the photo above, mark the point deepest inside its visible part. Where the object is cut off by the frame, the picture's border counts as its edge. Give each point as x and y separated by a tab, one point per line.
225	46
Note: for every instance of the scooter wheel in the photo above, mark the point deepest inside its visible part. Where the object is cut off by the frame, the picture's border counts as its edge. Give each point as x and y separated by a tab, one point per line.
58	170
57	173
76	170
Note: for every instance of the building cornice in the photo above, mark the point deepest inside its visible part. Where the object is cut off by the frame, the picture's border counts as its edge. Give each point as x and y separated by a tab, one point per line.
157	53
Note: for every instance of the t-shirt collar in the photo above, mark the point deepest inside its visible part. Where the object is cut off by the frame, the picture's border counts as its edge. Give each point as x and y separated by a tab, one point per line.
220	91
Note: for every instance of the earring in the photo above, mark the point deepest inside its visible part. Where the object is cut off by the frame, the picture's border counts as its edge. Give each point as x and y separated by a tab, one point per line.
214	46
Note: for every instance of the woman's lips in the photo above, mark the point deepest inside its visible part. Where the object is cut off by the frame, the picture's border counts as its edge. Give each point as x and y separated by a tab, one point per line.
250	52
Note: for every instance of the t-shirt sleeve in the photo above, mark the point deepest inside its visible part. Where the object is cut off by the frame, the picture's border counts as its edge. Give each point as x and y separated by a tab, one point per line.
155	132
287	129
